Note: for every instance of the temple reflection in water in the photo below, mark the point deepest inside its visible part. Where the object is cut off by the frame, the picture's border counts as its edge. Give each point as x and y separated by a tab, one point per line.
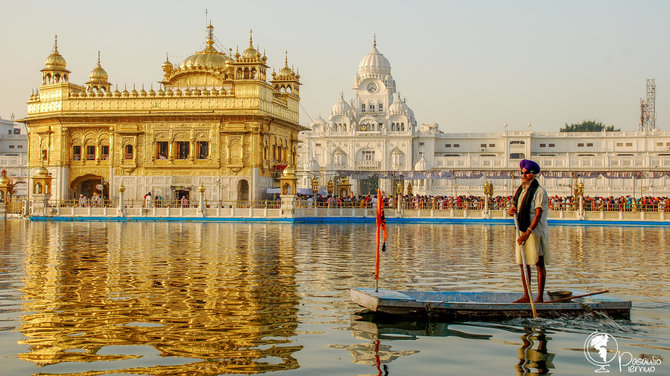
225	299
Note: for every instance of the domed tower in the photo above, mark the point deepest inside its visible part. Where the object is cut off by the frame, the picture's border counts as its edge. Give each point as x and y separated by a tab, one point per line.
167	67
98	79
250	65
374	87
287	81
54	71
203	68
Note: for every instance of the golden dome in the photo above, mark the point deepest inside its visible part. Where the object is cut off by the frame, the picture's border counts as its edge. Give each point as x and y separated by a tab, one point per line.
250	53
4	180
55	60
289	171
286	72
209	58
41	172
98	74
167	65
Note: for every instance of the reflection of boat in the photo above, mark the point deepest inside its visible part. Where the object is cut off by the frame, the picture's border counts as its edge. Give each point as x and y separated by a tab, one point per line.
478	305
366	328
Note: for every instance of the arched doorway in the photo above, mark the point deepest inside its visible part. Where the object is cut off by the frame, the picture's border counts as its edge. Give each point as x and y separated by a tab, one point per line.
90	186
368	186
242	190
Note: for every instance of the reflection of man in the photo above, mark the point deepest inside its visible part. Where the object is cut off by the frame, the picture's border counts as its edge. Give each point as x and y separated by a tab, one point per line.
532	201
530	358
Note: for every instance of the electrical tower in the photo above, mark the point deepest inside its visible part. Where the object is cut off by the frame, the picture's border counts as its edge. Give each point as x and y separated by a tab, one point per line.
648	107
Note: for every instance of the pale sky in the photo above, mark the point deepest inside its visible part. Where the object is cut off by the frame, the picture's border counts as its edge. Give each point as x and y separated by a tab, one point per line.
470	66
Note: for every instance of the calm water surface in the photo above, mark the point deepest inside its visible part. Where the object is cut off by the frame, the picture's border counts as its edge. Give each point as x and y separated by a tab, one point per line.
237	298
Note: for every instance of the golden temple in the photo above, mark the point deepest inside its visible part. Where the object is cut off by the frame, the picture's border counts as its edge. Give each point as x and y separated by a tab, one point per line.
216	121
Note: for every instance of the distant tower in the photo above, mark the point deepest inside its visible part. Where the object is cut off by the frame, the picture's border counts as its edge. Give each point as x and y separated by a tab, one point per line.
648	107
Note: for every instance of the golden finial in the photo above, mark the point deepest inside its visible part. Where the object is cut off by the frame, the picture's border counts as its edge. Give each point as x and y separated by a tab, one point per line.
98	57
374	40
210	35
55	42
286	59
251	38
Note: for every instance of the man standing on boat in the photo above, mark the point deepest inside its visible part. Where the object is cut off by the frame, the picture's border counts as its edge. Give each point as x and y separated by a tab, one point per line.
533	204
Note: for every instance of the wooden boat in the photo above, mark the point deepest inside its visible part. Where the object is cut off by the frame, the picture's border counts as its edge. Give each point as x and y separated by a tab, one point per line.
480	305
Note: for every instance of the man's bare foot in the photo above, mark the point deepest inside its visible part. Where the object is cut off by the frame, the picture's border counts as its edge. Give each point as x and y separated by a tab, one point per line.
539	300
524	299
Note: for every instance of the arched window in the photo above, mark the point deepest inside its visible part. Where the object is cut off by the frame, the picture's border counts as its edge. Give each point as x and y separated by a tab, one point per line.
240	73
128	152
253	73
246	73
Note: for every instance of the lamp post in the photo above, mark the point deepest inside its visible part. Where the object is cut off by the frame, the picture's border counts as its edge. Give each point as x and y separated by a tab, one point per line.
579	192
201	189
315	187
488	193
398	192
122	206
331	187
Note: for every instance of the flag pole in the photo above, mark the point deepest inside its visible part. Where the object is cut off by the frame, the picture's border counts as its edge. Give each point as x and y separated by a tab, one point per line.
377	259
377	233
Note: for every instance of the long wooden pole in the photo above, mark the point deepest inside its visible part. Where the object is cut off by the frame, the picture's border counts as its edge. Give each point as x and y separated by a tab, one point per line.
576	296
525	271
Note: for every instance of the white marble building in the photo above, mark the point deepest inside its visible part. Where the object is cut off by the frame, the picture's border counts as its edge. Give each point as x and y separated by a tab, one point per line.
14	154
374	139
372	132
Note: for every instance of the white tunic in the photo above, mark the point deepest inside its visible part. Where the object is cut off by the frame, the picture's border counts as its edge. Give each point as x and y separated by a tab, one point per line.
538	241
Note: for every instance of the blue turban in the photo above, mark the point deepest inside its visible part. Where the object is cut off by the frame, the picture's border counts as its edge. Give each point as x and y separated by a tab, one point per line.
530	166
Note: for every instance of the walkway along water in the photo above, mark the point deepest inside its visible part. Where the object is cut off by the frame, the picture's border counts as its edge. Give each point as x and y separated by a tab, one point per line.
291	209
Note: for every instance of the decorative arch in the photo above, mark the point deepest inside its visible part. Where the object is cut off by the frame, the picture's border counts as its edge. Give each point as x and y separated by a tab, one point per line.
87	185
243	190
339	157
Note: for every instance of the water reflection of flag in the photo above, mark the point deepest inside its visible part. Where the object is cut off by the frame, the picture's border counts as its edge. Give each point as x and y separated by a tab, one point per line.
381	225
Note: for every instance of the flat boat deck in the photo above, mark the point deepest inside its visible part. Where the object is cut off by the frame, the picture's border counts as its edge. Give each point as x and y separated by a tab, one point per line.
479	305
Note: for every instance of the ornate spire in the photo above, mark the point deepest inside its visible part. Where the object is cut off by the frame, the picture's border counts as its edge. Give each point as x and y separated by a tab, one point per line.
210	35
251	38
56	42
374	40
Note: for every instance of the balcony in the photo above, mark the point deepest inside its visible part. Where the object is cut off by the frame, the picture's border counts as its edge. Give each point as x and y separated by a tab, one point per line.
368	165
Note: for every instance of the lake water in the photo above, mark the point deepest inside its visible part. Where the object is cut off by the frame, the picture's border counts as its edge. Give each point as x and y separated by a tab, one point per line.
242	298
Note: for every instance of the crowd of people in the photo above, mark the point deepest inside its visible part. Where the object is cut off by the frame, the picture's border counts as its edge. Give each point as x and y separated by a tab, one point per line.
461	202
471	202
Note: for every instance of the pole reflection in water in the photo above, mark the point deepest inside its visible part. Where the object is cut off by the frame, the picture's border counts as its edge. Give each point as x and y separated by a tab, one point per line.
534	359
216	302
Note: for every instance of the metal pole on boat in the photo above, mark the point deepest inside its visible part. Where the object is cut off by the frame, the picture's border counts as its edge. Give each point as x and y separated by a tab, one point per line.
525	269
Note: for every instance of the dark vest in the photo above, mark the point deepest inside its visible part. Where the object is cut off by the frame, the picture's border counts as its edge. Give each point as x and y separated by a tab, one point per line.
526	205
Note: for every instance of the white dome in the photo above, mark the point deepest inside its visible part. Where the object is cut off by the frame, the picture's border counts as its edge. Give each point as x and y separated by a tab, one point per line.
313	165
374	64
341	108
398	107
421	165
319	120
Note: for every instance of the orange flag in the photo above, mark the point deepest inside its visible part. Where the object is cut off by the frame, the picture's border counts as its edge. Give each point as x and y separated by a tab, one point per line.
381	225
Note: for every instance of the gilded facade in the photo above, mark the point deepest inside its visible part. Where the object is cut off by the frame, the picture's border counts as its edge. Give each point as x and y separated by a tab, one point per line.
218	120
